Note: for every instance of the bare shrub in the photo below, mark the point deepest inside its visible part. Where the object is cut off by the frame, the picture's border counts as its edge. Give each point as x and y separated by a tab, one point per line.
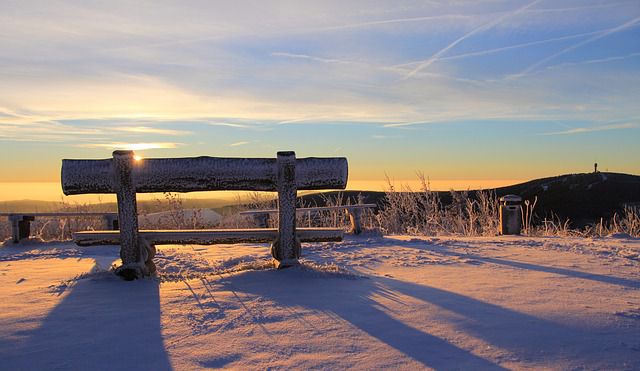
422	213
251	201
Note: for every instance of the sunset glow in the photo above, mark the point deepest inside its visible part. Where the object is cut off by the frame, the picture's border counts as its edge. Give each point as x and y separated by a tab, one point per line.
483	90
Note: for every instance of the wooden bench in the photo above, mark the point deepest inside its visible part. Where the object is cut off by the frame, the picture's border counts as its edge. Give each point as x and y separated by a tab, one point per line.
21	222
261	217
125	177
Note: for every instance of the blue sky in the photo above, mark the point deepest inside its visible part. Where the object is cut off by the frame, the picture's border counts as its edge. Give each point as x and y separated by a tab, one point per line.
454	89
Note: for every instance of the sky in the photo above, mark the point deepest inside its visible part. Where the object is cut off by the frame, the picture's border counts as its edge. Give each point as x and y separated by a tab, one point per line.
469	93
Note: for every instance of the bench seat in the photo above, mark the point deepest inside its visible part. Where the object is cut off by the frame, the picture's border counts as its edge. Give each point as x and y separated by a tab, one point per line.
208	236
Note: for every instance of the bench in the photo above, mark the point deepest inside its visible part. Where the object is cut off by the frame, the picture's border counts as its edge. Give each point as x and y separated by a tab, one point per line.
261	217
21	222
125	176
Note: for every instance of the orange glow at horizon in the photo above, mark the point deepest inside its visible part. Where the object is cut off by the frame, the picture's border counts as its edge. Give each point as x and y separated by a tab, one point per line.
51	191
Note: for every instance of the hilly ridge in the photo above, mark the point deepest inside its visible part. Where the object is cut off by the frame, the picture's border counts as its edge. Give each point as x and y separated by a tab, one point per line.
582	198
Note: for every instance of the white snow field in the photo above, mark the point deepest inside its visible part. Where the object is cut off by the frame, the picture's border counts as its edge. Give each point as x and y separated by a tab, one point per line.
366	303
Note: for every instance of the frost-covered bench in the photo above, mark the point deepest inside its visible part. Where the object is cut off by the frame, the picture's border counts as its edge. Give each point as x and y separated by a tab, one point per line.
125	177
21	222
261	217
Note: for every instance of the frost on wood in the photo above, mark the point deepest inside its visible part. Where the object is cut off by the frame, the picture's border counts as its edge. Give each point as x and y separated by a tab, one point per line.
124	176
191	174
286	248
127	215
208	236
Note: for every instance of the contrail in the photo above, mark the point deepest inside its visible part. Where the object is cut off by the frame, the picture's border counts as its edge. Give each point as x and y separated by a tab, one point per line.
592	61
523	45
484	27
608	32
505	48
392	21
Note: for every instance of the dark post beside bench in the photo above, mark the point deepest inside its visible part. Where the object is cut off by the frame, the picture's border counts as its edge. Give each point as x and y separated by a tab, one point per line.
125	176
21	222
20	226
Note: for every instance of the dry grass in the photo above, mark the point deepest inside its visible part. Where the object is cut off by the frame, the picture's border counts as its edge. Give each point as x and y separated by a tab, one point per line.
406	211
422	213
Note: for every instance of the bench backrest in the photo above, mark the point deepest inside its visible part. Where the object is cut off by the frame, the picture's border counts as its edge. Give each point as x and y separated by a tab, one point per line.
125	176
202	174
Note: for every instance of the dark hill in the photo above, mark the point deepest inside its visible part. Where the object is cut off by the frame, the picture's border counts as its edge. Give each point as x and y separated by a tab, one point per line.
582	198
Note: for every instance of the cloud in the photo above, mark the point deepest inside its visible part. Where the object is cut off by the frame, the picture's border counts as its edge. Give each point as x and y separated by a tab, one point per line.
409	123
150	130
132	146
599	36
476	30
622	126
236	144
518	46
461	17
229	124
230	81
593	61
311	58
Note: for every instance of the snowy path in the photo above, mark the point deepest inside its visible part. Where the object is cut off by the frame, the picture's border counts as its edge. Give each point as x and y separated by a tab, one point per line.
366	303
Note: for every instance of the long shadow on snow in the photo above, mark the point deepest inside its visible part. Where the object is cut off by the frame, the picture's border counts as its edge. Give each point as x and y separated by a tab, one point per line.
103	323
351	300
447	250
525	336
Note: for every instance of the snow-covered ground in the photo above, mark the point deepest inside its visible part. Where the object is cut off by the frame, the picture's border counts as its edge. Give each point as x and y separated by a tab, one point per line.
366	303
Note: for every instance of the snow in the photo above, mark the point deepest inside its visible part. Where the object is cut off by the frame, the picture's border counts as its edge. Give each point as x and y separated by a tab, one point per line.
368	302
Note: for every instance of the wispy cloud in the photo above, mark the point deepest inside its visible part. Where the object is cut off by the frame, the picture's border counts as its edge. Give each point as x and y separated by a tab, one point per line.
476	30
594	61
461	17
151	130
518	46
384	137
599	36
622	126
409	123
311	58
236	144
132	146
230	124
609	4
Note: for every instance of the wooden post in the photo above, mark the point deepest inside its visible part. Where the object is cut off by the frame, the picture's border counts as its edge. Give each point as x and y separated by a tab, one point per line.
15	228
132	265
110	222
286	248
355	216
20	226
24	226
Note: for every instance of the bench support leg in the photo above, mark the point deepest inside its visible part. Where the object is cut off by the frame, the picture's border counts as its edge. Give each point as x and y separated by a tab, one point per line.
286	248
133	265
355	216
